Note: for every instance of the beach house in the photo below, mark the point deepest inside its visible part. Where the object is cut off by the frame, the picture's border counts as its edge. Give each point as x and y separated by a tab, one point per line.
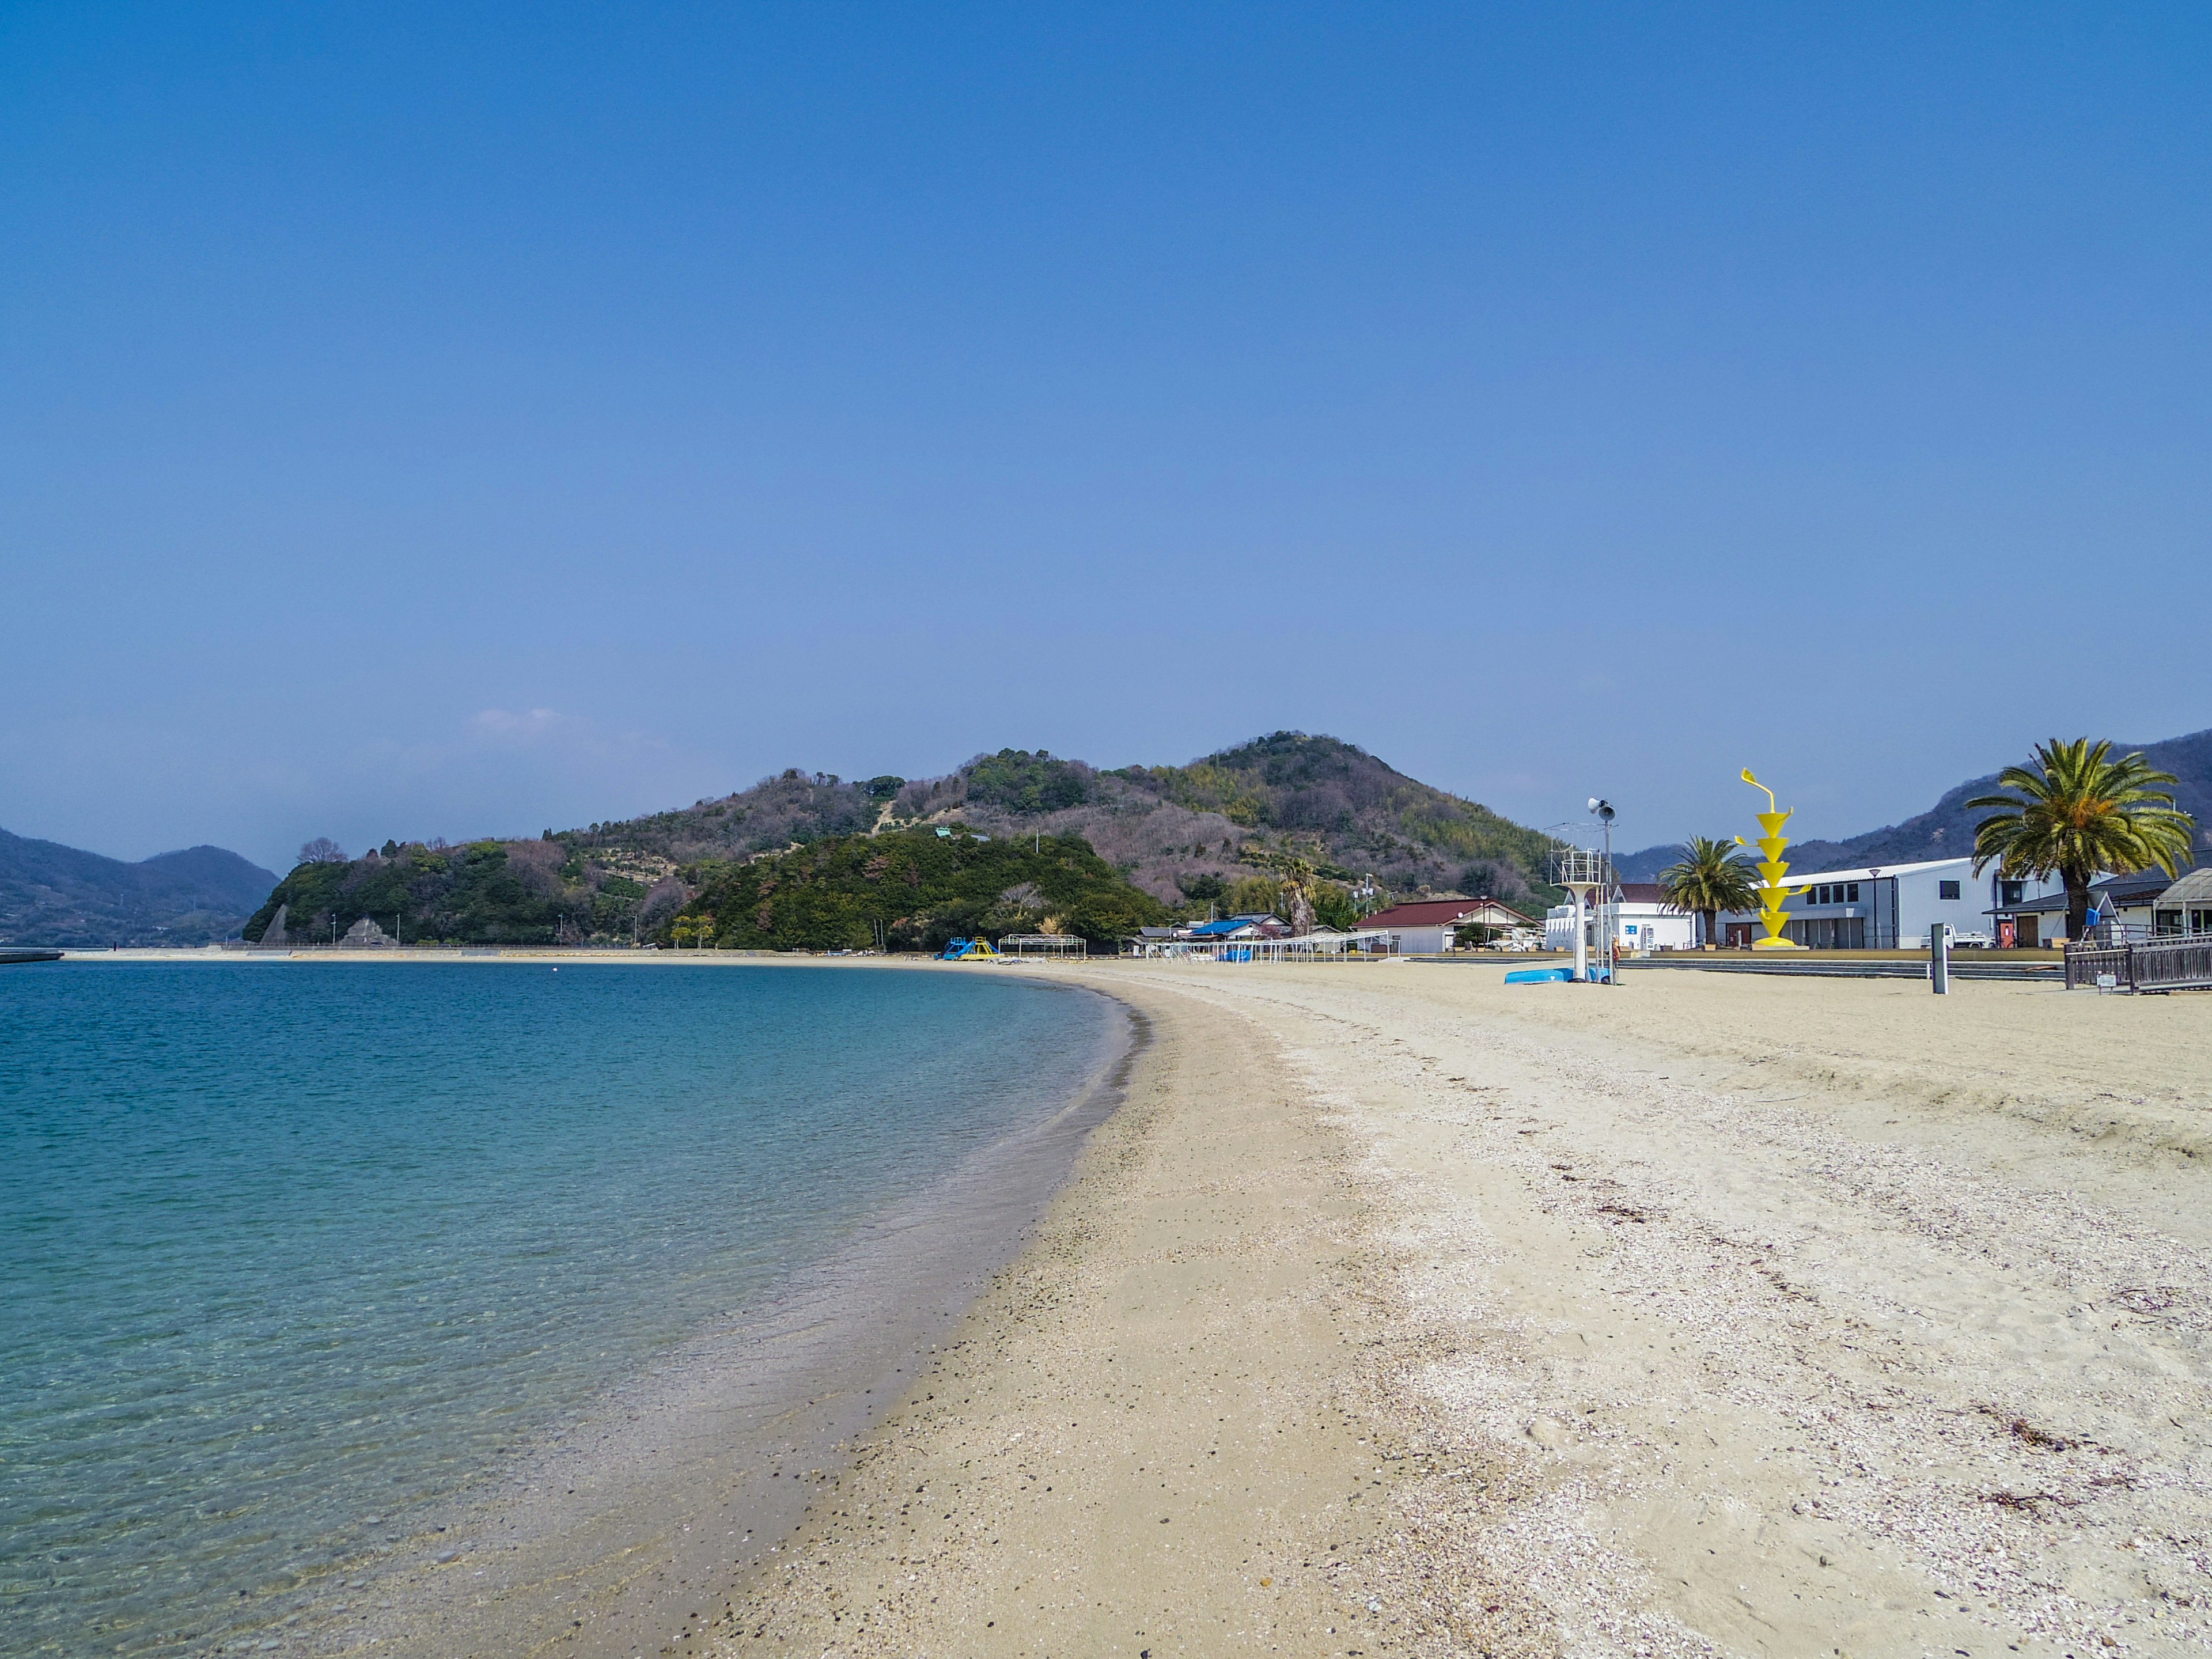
1237	928
1430	926
2035	914
1643	922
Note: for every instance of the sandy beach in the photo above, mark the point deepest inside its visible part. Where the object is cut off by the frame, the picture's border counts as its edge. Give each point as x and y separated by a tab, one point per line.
1397	1311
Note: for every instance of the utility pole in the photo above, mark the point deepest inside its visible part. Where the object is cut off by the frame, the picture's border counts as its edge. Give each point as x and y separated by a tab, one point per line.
1607	915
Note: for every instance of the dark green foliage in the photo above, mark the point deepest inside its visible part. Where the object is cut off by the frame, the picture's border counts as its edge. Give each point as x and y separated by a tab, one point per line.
1202	887
884	787
489	892
1334	907
913	890
1018	781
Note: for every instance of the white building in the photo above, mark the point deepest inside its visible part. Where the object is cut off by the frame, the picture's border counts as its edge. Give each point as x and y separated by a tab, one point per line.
1431	926
1889	907
1644	922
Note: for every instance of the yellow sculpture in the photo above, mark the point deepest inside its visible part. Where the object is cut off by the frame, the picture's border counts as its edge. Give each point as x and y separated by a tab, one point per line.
1771	895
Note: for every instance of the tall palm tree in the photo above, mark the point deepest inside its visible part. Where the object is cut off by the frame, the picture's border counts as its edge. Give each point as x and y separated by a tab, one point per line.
1712	878
2078	812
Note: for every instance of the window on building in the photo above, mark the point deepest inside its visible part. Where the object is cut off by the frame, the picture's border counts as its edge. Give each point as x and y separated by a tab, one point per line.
2011	892
1946	890
1851	893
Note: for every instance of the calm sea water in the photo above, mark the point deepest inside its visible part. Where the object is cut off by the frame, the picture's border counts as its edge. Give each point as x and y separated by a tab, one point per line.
289	1251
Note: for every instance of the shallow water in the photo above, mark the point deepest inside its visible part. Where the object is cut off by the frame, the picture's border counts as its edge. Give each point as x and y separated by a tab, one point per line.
294	1252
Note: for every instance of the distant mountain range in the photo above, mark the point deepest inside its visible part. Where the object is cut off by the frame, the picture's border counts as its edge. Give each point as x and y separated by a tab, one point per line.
1945	830
54	895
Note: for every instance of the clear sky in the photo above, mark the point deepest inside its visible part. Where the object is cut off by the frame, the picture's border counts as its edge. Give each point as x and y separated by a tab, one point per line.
460	420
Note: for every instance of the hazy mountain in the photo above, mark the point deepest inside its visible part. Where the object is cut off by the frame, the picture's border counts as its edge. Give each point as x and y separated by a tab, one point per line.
1946	829
55	894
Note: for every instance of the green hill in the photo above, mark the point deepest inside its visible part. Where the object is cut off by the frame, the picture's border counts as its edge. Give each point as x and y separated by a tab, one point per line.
913	890
487	892
1193	831
1164	836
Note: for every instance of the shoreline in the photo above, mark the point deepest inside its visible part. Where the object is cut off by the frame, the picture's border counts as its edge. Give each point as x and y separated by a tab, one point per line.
1713	1314
1408	1313
1148	1423
607	1515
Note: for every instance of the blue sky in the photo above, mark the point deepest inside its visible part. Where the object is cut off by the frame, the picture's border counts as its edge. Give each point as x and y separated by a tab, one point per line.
447	421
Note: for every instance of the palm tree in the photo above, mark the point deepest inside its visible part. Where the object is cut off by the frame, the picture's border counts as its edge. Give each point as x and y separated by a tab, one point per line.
1297	875
1710	878
2078	812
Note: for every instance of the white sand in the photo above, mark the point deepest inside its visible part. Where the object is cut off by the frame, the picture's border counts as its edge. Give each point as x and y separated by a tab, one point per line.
1710	1315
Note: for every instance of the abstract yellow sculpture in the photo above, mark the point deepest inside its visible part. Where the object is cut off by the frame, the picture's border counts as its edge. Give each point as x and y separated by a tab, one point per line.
1771	894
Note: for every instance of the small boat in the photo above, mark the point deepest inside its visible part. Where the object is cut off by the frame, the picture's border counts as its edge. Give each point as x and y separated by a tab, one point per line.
9	954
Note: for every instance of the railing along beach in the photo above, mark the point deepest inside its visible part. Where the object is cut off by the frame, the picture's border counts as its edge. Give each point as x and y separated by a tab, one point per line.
2175	962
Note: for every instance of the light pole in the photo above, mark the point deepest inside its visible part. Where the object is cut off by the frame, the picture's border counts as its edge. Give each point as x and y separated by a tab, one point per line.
1606	917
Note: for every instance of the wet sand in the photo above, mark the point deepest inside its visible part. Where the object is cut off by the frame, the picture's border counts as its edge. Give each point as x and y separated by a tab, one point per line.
1401	1312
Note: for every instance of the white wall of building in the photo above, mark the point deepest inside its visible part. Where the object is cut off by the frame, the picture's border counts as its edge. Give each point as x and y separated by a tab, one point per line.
1638	927
1896	904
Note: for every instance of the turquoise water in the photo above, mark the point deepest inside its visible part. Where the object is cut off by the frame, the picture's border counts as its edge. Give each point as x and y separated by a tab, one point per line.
292	1250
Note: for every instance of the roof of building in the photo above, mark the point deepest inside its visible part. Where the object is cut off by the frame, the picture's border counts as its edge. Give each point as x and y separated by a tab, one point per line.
1797	879
1630	892
1448	912
2195	887
1228	925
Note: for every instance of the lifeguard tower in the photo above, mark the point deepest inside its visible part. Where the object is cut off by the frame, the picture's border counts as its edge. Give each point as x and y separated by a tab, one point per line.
1587	875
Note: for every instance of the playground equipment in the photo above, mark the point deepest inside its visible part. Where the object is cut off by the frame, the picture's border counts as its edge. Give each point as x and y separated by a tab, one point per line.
969	950
1771	841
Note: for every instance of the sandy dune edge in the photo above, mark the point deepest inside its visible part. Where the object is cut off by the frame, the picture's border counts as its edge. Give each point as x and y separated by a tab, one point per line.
1711	1315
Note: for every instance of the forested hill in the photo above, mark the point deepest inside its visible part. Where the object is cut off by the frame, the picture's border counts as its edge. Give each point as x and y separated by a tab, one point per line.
1186	830
53	895
914	890
1946	829
1208	833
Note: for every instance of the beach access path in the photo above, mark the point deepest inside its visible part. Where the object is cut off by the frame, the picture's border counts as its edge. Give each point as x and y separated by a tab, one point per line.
1398	1311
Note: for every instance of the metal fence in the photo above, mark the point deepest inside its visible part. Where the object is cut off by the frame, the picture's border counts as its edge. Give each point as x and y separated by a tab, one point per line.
1047	945
2158	964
